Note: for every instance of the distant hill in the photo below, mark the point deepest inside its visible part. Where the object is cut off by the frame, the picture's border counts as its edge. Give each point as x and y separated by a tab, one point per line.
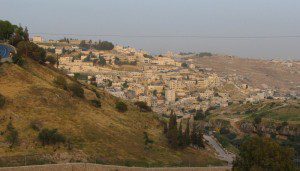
101	135
257	73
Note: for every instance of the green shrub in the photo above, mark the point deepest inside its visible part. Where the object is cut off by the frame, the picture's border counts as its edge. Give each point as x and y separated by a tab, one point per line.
50	137
77	90
222	139
96	93
231	136
51	59
2	101
143	106
61	82
257	120
19	60
199	115
121	107
147	140
224	130
12	135
96	103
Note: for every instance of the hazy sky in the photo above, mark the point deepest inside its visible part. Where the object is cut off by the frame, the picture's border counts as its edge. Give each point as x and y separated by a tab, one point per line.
220	18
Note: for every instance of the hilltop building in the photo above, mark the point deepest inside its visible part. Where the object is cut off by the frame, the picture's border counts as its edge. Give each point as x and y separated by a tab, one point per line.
37	39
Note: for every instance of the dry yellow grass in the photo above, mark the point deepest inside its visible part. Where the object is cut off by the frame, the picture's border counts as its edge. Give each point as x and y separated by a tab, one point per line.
103	134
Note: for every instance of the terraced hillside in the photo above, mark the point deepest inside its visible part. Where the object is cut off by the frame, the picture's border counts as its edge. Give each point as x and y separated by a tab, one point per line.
101	135
278	119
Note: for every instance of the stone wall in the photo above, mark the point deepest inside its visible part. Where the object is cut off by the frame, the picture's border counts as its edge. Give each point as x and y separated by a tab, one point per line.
97	167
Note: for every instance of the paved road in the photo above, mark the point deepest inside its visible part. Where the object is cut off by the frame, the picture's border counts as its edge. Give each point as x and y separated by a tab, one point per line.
219	149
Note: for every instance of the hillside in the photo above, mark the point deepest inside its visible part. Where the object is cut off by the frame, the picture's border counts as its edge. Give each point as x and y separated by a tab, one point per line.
257	73
276	119
101	135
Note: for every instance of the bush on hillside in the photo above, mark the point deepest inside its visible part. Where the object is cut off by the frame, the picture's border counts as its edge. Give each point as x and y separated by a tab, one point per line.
199	115
143	106
224	130
2	101
121	107
96	103
77	90
147	140
19	60
12	135
257	120
50	137
96	93
61	82
51	59
231	136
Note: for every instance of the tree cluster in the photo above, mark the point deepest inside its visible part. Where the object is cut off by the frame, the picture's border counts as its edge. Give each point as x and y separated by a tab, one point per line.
179	138
66	40
12	33
31	50
203	54
19	37
263	154
100	45
50	137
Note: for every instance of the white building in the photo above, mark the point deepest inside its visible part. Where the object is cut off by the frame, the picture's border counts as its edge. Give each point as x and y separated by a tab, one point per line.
170	96
37	39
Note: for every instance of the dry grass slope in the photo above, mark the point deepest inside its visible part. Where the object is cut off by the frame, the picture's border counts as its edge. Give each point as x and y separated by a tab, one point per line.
96	134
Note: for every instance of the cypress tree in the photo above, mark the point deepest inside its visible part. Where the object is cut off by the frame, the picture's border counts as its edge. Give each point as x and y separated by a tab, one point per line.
165	127
172	132
194	135
180	136
187	138
200	142
197	137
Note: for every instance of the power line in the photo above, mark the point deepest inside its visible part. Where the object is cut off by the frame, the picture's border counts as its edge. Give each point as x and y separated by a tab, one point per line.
171	36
